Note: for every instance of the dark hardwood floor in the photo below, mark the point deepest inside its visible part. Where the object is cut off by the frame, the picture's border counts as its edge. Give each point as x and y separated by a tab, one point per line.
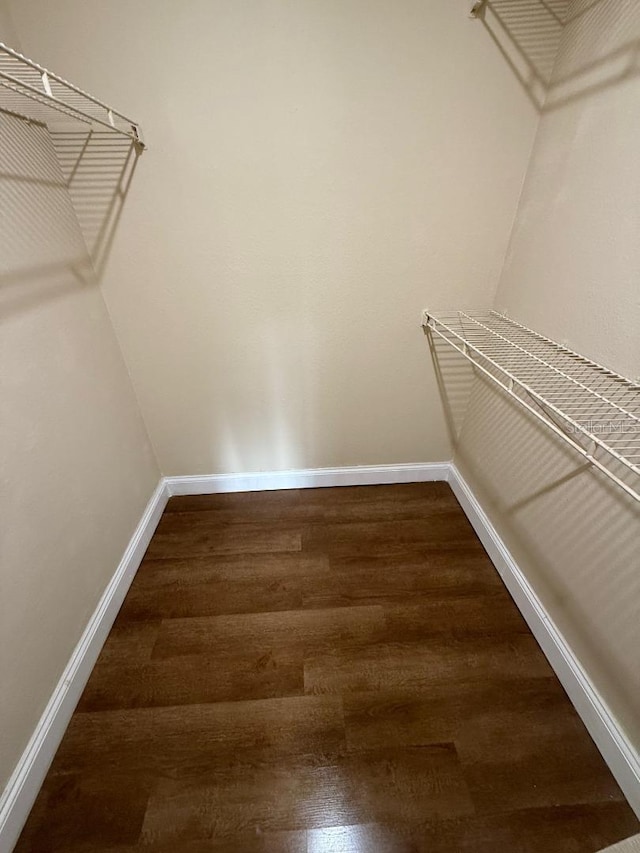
327	671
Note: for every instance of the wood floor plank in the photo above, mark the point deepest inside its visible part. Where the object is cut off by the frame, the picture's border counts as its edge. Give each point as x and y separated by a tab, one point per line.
130	643
309	630
196	539
164	739
223	584
528	758
258	673
444	712
323	671
574	829
363	838
245	504
179	573
374	578
520	748
559	829
417	666
478	615
400	493
444	531
422	783
88	810
314	509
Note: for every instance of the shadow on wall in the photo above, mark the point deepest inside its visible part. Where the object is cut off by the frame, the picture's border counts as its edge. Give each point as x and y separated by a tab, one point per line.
574	534
97	168
528	33
74	187
455	377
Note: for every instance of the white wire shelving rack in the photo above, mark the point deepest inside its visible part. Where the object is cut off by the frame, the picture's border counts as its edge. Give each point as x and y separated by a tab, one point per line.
588	406
35	93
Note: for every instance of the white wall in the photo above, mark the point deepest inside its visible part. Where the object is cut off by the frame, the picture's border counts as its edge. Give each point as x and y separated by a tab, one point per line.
8	33
573	273
318	172
76	465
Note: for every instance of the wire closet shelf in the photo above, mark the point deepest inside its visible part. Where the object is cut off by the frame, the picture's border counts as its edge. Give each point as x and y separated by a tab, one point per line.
592	408
35	93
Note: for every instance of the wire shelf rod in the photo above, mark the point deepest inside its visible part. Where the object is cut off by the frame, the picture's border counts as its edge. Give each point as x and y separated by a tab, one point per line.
25	78
51	76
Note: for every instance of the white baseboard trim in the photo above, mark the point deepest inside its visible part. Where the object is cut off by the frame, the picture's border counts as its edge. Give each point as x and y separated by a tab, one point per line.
622	758
311	478
23	786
